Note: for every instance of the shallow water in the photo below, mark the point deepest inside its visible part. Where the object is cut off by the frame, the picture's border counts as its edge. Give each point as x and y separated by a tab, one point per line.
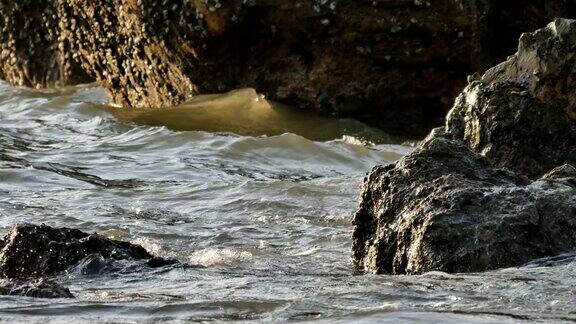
268	217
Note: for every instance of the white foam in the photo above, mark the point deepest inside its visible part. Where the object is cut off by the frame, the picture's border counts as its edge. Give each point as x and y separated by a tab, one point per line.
218	257
150	245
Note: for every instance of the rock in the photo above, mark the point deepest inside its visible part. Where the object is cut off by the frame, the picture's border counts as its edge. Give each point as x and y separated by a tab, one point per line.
34	49
522	115
32	251
41	288
545	64
445	208
495	187
396	64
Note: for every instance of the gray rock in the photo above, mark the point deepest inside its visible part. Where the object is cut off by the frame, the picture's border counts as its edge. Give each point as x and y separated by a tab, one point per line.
446	208
545	63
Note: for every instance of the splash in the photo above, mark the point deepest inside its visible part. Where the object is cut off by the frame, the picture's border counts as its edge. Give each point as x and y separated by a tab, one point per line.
219	257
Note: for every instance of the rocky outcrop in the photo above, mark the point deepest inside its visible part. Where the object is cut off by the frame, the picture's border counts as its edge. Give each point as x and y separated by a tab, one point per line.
522	114
31	251
40	288
494	188
396	64
445	208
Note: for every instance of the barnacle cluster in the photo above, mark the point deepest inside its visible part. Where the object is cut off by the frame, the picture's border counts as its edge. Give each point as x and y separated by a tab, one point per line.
33	51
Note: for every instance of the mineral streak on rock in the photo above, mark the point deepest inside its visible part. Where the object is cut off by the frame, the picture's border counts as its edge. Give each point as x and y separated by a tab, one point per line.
32	251
395	63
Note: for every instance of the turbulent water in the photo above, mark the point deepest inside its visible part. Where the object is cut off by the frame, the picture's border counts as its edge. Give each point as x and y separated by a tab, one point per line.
268	217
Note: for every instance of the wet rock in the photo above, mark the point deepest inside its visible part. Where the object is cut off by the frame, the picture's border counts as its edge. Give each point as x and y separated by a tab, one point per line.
32	251
494	188
396	64
448	209
41	288
522	114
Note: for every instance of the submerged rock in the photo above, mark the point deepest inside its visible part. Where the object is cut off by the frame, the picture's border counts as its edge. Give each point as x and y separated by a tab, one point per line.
41	288
494	188
32	251
396	64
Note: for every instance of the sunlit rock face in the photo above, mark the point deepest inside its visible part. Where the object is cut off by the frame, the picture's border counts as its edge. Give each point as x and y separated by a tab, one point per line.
522	114
494	188
35	50
397	64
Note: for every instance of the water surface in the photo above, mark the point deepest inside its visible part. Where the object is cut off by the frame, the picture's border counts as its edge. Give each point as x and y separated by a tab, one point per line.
267	216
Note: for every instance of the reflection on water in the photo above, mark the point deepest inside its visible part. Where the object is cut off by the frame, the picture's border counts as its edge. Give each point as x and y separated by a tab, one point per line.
245	112
267	216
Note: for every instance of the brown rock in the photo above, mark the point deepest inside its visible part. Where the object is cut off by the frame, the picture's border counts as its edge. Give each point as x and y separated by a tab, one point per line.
394	63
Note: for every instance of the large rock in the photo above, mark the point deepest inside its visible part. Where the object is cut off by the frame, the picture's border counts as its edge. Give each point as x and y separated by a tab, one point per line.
448	209
494	188
397	64
522	114
31	251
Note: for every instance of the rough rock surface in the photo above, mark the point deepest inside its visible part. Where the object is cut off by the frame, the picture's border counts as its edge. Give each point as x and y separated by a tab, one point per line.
445	208
522	114
395	63
32	251
41	288
494	188
34	49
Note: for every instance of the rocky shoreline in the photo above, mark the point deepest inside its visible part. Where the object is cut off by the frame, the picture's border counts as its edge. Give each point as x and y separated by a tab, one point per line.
495	187
395	64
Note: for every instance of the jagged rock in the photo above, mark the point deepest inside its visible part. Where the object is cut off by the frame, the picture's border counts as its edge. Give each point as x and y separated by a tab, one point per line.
545	64
396	64
507	124
494	188
446	208
41	288
32	251
522	114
